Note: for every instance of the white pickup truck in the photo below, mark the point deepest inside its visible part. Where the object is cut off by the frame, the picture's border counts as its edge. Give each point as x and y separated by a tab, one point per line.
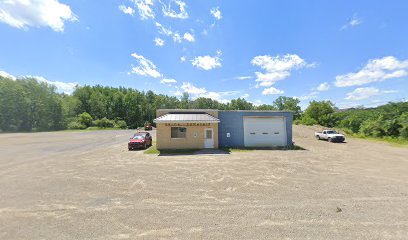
330	135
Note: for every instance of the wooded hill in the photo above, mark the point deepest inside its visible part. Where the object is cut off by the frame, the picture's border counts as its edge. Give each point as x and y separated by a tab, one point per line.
29	105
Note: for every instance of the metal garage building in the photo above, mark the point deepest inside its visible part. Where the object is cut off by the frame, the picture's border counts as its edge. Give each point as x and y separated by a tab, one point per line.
199	128
255	128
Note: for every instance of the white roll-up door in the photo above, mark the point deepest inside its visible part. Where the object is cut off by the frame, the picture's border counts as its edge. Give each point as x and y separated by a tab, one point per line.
265	131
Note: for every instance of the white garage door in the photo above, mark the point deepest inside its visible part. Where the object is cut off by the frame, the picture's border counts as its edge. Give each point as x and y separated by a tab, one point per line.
264	131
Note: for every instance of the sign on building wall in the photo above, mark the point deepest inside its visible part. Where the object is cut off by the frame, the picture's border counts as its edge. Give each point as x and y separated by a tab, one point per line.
186	124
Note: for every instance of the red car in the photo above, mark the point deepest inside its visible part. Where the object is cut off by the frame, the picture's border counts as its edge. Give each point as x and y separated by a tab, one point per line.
140	140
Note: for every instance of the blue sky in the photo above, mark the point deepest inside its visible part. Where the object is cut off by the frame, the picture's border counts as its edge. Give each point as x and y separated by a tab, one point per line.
350	52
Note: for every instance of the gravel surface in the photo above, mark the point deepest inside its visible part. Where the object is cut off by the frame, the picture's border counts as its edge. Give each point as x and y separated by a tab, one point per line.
68	185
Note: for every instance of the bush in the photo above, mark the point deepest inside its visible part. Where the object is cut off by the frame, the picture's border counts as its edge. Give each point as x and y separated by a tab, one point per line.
76	125
104	123
372	128
85	119
306	120
121	124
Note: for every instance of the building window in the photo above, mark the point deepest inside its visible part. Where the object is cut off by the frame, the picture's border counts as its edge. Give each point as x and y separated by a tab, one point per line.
178	132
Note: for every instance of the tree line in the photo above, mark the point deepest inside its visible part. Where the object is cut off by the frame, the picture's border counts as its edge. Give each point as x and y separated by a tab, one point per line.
29	105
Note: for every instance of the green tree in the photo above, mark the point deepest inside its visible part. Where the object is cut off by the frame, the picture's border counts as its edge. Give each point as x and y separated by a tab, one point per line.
320	112
288	104
240	104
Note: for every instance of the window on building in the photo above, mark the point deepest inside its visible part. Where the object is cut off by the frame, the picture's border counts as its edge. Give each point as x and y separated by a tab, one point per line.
178	132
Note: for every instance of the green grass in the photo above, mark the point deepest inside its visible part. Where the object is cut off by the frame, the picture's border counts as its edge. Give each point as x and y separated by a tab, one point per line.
154	150
390	140
229	150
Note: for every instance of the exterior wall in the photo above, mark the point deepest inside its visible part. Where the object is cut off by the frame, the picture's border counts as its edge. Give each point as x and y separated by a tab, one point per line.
212	112
232	122
164	140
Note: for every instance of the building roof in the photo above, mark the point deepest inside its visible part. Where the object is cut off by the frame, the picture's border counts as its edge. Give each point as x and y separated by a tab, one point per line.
187	117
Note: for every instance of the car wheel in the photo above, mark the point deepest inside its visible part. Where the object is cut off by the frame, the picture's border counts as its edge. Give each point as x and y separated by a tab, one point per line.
145	146
129	149
329	140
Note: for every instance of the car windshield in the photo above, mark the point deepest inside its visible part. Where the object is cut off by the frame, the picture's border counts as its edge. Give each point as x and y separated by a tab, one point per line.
331	132
138	136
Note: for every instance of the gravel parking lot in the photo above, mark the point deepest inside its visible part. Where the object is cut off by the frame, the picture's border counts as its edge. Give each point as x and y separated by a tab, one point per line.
71	185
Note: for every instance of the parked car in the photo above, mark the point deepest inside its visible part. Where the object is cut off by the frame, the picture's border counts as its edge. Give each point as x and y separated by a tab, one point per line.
330	135
148	126
140	140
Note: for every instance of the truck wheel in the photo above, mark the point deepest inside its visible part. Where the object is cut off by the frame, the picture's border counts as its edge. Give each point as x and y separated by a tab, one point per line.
318	137
329	140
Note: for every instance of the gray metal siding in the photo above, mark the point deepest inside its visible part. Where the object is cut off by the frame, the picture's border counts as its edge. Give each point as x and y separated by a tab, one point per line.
232	122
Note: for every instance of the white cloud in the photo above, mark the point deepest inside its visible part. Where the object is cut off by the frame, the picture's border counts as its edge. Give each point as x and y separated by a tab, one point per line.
191	89
189	37
159	42
169	12
145	67
207	62
246	95
177	38
7	75
183	59
271	91
243	77
163	30
354	21
216	13
311	95
323	87
362	93
127	10
36	13
168	81
145	8
62	87
196	92
277	68
375	70
367	92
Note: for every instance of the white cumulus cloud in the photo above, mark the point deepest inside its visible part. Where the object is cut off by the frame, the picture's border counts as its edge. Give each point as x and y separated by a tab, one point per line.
277	68
144	8
159	42
216	13
362	93
367	92
196	92
127	10
272	91
323	87
189	37
168	10
63	87
168	81
145	67
36	13
207	62
376	70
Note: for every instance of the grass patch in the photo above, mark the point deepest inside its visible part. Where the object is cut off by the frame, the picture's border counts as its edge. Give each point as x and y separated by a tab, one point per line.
154	150
398	142
230	150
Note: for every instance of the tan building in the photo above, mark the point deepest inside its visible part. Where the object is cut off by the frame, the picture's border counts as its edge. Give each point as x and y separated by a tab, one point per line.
187	129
